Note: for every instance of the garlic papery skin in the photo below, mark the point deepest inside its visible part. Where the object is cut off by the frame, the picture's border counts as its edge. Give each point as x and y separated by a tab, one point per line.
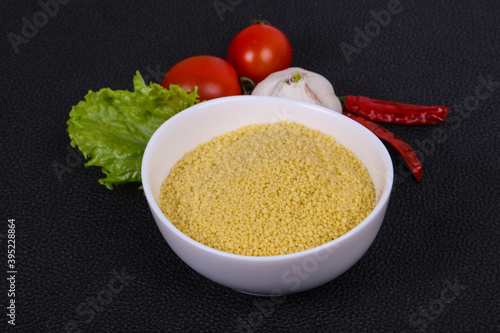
302	85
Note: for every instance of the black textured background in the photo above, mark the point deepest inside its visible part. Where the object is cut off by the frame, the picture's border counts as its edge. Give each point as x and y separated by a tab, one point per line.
73	236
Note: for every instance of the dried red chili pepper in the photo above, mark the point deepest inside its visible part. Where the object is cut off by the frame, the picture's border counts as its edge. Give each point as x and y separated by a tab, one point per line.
392	139
394	113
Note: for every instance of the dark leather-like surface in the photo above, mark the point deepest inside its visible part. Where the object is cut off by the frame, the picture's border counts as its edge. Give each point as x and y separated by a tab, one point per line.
92	260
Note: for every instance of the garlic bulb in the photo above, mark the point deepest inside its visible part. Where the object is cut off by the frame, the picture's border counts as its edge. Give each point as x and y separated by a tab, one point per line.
302	85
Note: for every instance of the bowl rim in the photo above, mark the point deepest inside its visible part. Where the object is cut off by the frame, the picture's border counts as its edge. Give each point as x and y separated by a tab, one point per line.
154	206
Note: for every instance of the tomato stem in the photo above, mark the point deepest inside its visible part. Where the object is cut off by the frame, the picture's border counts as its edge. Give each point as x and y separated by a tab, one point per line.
247	85
259	20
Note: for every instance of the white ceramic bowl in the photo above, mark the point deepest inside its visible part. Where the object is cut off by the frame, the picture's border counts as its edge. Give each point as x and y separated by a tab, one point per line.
273	275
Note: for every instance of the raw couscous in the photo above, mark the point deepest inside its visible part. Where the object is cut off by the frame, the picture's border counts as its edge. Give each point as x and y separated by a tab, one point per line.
267	189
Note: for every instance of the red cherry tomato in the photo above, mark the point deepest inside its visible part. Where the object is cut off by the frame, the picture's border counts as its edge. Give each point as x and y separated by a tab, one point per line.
259	50
214	77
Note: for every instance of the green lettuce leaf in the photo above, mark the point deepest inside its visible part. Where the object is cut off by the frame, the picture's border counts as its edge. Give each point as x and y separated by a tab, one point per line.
112	127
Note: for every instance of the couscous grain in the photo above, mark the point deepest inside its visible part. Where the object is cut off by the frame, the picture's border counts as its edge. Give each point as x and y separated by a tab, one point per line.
266	190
